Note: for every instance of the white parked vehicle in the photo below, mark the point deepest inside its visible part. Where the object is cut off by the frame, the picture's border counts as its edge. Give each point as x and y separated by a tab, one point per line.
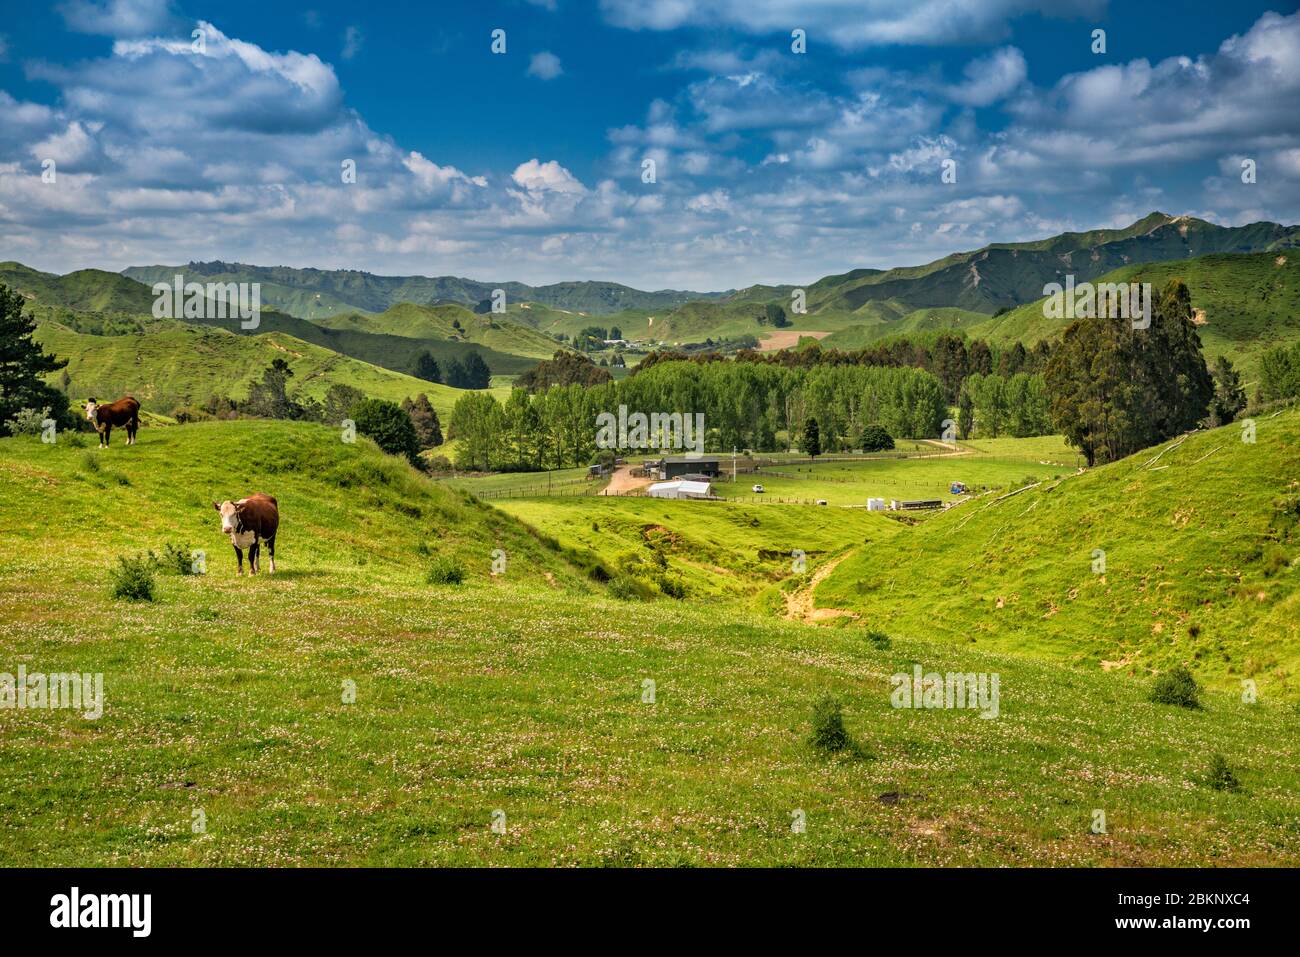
821	501
759	489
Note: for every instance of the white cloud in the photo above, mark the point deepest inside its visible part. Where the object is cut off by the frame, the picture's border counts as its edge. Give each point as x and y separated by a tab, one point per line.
117	18
352	40
992	78
545	66
857	23
536	176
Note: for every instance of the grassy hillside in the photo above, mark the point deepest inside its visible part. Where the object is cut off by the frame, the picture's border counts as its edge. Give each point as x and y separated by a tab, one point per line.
524	694
718	550
1249	303
306	292
918	320
96	301
86	290
1201	566
187	364
425	323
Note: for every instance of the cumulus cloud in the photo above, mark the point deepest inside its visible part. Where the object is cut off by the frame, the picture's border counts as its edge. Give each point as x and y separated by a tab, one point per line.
766	170
117	18
545	66
848	25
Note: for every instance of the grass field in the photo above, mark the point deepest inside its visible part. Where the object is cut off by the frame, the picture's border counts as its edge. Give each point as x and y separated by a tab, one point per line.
523	693
1200	564
982	464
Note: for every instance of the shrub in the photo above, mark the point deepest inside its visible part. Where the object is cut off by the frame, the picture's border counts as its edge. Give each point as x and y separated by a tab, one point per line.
876	439
90	461
672	586
132	579
445	571
828	732
626	588
878	639
1176	686
389	426
177	558
27	421
1221	777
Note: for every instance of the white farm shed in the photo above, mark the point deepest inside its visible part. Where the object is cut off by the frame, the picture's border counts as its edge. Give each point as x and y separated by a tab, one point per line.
681	488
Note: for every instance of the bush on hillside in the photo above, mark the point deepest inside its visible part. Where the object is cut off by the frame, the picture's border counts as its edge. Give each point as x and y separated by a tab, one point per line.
828	731
28	421
1221	776
177	558
878	639
1176	686
389	426
445	570
132	579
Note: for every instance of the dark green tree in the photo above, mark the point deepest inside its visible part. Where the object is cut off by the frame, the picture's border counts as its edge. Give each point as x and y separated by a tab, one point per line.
1229	396
1114	389
22	363
269	398
477	373
428	430
812	439
426	368
453	373
389	426
876	439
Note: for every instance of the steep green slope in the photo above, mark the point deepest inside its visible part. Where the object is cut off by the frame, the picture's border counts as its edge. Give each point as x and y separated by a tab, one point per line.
524	693
1247	303
1201	565
296	290
88	290
187	364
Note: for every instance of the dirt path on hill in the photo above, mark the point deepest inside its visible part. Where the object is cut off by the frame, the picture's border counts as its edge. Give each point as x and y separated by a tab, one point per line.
799	605
623	481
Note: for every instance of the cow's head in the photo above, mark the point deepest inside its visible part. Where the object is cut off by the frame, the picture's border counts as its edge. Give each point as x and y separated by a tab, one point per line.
229	513
91	407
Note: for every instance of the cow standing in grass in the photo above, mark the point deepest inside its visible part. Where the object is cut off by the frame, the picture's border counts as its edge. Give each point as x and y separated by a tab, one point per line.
250	522
125	411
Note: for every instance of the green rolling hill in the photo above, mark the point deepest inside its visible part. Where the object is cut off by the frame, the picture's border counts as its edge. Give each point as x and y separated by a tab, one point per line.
96	301
452	324
523	691
309	292
184	364
1245	303
1202	564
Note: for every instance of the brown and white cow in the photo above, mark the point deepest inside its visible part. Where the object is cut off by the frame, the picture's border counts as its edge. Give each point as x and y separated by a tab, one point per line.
250	522
125	411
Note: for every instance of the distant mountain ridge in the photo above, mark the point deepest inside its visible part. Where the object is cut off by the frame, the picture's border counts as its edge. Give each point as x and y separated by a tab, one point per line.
1009	274
316	293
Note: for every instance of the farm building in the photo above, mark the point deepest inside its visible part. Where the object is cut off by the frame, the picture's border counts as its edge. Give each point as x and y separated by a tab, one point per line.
681	489
679	466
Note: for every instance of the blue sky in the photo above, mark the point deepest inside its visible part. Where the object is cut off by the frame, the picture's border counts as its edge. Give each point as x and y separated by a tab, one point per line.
771	165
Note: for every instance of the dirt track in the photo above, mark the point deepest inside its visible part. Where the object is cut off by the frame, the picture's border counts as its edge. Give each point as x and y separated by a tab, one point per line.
799	605
623	481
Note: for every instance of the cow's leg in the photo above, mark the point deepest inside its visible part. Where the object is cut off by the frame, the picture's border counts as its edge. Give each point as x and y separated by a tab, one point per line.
270	547
239	554
253	551
108	431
